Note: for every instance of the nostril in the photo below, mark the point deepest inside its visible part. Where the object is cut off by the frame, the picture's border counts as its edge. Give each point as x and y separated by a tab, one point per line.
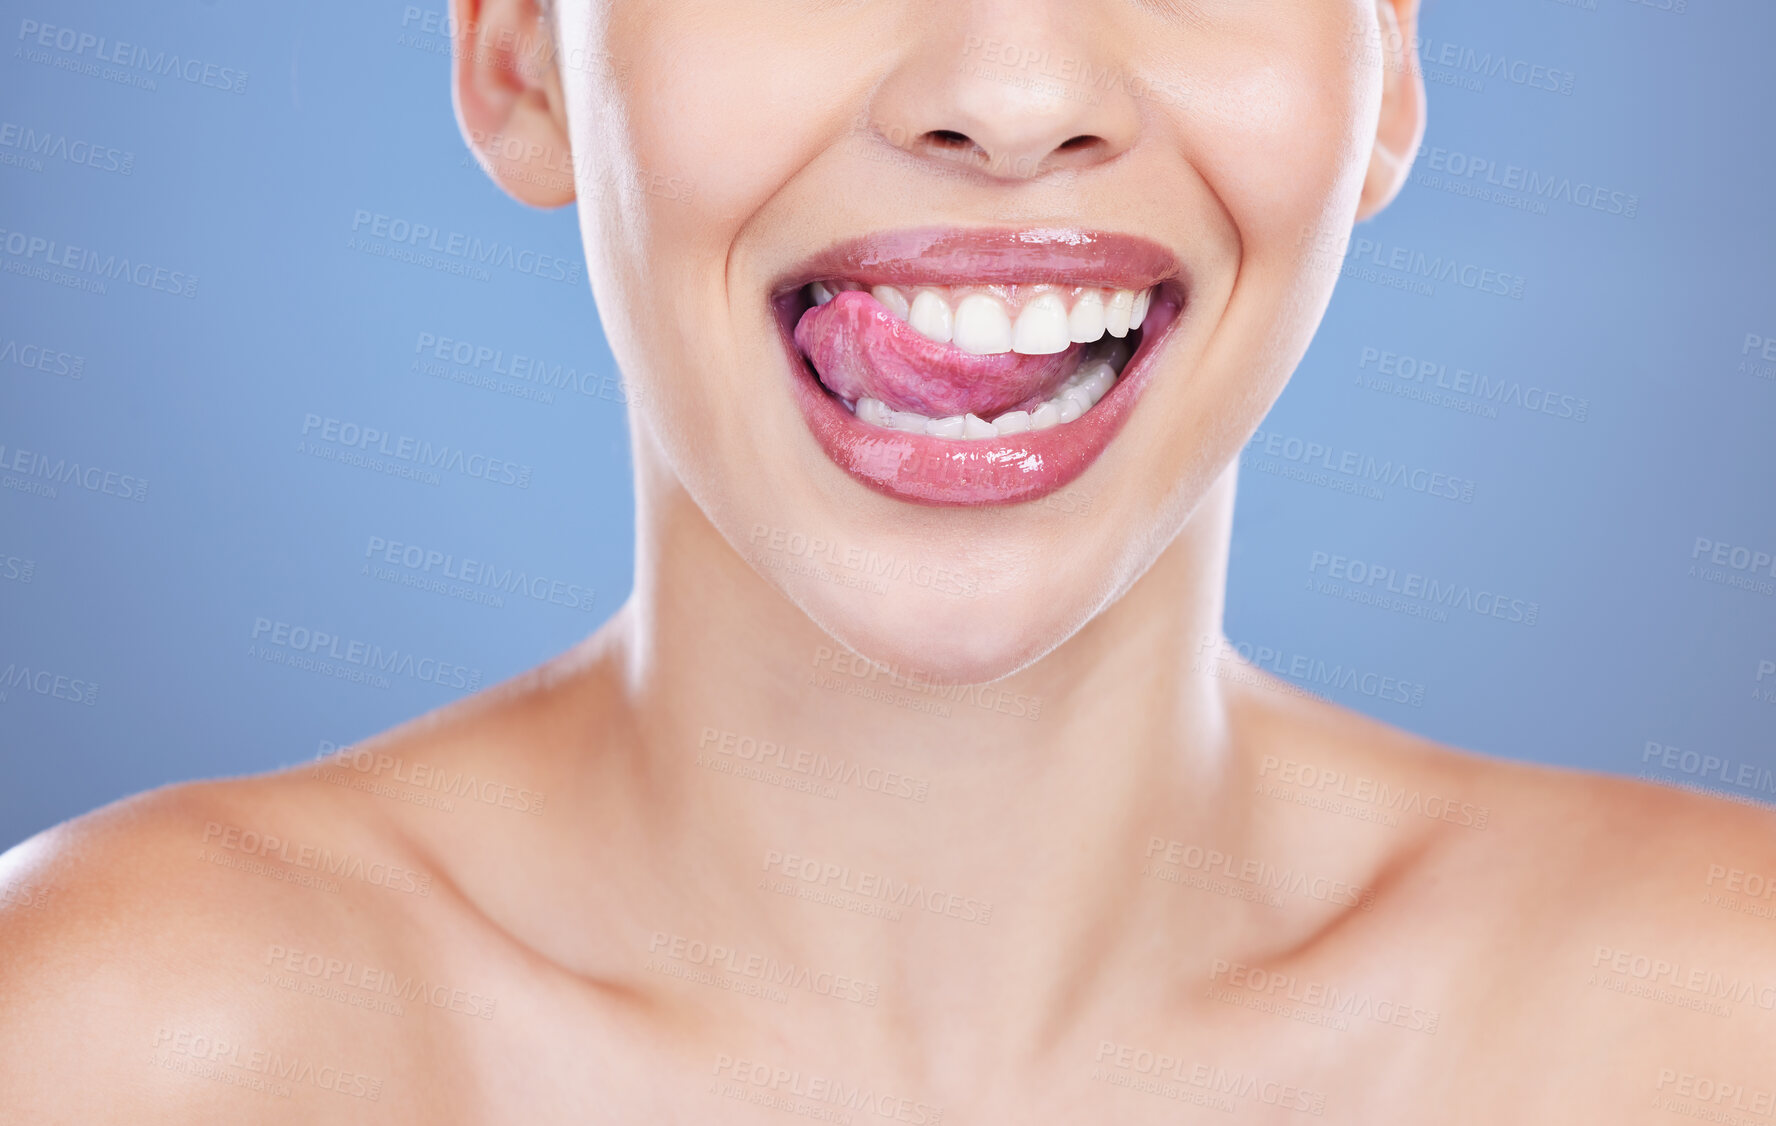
952	145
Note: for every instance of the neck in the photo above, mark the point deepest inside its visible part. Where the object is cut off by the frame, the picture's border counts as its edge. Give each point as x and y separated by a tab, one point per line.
798	794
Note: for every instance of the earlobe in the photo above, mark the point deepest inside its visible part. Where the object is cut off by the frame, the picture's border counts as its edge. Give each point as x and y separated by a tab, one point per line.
1402	123
507	94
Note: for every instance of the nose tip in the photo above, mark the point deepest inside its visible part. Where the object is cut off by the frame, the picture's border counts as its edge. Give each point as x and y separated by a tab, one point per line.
965	95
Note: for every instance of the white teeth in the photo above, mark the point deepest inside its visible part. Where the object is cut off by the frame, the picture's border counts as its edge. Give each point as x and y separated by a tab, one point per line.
909	421
980	323
1012	422
1042	327
892	298
930	317
1098	379
982	326
1045	416
1116	314
950	427
873	411
1086	322
1070	409
976	427
1078	396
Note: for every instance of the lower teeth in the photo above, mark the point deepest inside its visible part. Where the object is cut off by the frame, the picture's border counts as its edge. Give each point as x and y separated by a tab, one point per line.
1077	394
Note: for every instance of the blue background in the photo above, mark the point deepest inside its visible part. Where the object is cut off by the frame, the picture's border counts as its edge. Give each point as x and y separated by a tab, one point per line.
345	110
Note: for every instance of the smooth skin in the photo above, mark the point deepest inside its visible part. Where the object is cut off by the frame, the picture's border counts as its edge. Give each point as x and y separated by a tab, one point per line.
1454	938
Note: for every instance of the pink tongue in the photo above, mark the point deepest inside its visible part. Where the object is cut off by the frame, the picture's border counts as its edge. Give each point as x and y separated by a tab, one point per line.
859	348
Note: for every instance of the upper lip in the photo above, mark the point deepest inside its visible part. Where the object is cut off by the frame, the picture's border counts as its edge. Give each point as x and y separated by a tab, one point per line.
988	255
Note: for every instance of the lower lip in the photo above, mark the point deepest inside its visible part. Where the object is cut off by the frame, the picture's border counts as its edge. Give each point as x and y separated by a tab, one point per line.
950	472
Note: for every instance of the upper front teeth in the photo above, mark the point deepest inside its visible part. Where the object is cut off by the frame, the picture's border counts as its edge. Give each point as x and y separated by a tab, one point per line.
982	326
1041	327
980	322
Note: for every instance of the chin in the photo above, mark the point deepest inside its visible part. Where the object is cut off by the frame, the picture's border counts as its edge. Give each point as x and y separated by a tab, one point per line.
954	630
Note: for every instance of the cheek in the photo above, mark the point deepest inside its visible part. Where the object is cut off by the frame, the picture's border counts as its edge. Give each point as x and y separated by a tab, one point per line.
736	106
1289	149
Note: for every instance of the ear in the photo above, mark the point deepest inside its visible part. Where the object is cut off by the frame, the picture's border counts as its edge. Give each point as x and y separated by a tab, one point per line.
507	93
1402	124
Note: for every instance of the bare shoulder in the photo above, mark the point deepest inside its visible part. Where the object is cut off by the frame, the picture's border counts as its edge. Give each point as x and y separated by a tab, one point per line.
1636	926
1618	933
169	957
308	945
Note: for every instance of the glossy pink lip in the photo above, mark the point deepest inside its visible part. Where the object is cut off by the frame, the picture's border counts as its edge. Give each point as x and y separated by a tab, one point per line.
1019	467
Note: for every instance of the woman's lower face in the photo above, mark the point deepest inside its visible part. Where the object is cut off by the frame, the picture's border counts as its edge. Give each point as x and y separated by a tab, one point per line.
976	300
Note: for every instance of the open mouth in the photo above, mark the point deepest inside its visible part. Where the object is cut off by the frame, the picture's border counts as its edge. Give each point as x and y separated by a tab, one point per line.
968	367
